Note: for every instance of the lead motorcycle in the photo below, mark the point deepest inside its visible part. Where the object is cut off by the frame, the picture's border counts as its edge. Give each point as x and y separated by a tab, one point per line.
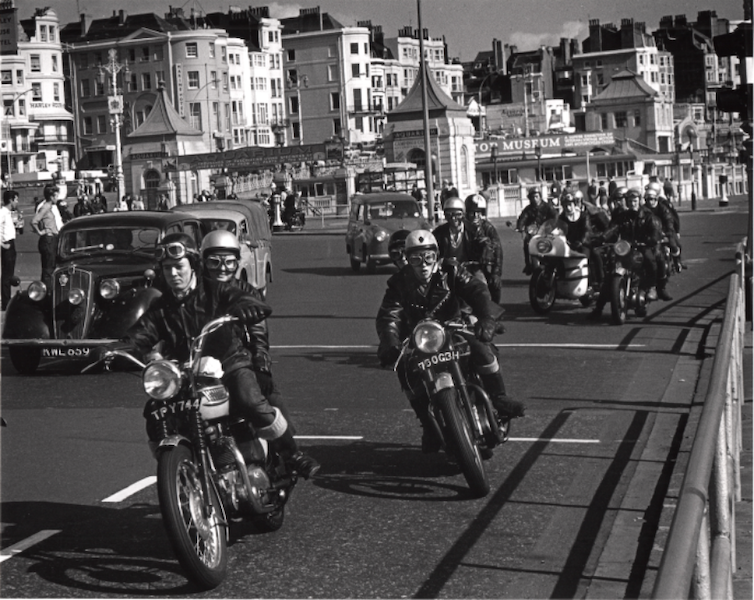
211	468
626	267
460	411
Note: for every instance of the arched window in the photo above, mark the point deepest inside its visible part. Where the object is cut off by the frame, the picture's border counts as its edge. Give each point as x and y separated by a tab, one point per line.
151	185
464	167
418	157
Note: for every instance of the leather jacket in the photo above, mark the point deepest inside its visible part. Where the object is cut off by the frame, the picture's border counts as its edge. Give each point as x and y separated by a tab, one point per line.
492	252
640	227
536	213
258	340
471	246
404	304
577	232
662	212
171	324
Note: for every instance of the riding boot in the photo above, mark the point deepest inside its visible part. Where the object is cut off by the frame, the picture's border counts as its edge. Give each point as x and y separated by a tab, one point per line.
430	441
281	439
505	405
662	293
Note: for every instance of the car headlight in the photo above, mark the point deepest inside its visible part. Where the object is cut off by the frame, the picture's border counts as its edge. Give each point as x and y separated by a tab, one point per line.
381	235
161	379
544	246
76	296
109	289
429	337
622	247
37	291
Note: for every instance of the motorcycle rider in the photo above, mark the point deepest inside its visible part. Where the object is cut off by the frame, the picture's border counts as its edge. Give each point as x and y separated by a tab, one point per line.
428	287
537	212
491	258
396	247
578	232
664	210
188	302
458	238
637	224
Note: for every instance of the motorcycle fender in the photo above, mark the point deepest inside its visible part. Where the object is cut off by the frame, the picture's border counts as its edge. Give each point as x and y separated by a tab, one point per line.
172	441
441	382
620	269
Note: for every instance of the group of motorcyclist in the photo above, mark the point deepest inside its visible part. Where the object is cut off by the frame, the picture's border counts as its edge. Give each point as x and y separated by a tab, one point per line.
453	272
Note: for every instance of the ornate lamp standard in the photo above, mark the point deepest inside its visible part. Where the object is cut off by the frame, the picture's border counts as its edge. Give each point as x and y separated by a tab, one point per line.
115	107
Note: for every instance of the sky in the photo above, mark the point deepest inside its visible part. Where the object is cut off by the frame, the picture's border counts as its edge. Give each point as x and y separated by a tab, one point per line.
469	26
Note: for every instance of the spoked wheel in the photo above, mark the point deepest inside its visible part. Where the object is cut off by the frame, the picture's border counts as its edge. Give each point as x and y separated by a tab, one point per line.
198	538
541	291
464	448
619	299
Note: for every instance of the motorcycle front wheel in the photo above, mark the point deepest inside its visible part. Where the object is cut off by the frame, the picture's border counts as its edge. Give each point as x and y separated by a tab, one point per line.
465	450
619	299
198	540
541	293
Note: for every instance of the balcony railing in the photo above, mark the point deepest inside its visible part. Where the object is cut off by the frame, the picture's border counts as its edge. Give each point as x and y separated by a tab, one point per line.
53	139
366	109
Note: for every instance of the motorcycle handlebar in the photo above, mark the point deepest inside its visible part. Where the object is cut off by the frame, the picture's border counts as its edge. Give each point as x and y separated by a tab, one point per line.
108	357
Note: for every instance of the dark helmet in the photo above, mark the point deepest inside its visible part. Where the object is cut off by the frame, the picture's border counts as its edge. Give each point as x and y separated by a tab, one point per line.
619	193
533	190
476	203
179	245
397	240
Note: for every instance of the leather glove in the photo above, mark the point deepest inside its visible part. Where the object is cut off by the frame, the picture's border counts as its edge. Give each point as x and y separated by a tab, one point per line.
264	379
485	329
389	356
247	313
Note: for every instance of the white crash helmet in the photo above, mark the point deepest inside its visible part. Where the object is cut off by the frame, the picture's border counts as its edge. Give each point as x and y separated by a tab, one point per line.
420	239
220	240
454	204
653	189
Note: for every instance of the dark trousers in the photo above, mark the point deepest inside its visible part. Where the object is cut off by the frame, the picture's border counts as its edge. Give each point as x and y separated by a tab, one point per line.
48	245
8	258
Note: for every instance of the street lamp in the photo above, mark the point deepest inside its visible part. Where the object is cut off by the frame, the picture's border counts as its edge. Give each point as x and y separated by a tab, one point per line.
482	121
538	153
115	106
10	133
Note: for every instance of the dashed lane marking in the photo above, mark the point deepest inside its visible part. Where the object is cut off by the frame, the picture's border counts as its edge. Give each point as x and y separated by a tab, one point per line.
131	489
543	345
19	547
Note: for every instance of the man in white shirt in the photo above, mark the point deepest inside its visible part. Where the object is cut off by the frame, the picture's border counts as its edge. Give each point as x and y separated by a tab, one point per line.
47	223
7	244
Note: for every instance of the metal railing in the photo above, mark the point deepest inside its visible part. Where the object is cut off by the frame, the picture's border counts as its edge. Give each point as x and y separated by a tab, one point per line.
699	558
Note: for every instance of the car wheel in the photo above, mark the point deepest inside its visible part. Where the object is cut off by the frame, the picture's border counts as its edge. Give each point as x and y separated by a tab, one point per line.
25	360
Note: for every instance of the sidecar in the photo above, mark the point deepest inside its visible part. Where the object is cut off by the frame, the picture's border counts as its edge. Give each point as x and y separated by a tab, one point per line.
101	287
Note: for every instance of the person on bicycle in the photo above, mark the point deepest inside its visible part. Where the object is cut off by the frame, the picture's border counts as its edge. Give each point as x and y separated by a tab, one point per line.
188	302
427	287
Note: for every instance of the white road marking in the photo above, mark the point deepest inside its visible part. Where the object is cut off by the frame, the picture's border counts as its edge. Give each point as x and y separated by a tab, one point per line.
554	440
329	437
131	489
41	536
543	345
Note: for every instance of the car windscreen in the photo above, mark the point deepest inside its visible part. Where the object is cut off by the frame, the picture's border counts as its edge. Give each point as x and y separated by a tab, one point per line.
81	242
219	224
395	209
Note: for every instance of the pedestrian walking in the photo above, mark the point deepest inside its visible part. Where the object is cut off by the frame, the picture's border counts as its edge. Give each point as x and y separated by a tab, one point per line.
7	244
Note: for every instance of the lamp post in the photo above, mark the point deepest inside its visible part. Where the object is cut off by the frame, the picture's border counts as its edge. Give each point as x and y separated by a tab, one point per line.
692	156
493	153
538	153
115	106
482	115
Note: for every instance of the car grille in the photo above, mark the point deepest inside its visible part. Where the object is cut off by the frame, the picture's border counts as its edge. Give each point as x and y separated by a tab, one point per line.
71	322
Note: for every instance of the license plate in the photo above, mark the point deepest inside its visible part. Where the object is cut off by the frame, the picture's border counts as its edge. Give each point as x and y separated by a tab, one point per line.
175	407
436	359
65	352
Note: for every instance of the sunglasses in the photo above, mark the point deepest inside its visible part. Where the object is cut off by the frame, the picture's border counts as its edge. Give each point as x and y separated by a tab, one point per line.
175	250
215	263
428	258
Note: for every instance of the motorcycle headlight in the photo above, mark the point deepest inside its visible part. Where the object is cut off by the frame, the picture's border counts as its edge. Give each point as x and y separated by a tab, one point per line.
622	247
37	291
380	236
161	380
544	246
109	289
76	296
429	337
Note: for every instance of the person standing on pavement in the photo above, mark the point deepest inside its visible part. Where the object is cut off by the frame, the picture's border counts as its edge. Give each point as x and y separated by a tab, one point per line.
47	223
7	244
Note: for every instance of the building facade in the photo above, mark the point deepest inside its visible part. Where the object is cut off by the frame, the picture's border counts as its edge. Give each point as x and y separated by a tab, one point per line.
37	136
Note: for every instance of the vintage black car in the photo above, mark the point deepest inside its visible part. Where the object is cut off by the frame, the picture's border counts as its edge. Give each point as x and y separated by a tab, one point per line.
101	286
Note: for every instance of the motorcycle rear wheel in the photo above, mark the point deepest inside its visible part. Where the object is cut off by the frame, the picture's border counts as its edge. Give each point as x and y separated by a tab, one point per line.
541	303
618	299
458	434
199	543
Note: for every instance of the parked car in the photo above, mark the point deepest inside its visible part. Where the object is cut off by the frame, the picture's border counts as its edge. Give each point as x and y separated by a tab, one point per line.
372	219
102	284
257	238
